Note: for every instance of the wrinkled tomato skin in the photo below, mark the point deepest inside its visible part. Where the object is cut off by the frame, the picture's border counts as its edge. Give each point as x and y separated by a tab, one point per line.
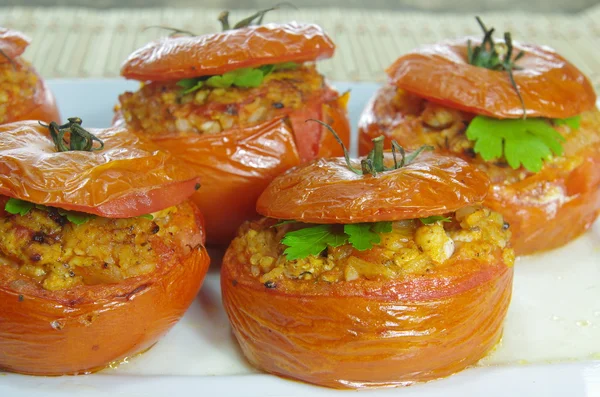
326	191
544	225
368	333
236	165
176	58
550	86
538	222
111	182
85	328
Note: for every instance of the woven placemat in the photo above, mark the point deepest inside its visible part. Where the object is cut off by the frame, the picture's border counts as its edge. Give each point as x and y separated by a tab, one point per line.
77	42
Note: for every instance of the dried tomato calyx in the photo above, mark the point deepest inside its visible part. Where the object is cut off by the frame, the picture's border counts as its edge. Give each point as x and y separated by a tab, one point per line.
79	138
254	19
373	163
496	56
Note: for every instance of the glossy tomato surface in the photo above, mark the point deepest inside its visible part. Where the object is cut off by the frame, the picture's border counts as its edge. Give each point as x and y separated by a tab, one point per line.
327	191
545	210
20	105
237	164
12	44
85	328
177	58
550	85
366	333
129	177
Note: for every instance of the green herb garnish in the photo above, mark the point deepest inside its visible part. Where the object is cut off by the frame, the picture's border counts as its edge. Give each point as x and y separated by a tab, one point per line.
521	142
313	240
434	218
21	207
16	206
488	55
243	78
571	122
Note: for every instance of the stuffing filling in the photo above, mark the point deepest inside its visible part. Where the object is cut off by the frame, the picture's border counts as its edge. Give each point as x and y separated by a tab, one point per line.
58	254
160	108
410	248
17	85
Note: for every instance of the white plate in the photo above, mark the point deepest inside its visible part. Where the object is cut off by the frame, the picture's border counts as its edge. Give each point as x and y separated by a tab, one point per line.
551	344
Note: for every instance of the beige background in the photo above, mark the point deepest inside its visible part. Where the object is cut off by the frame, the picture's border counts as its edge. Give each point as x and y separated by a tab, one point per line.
82	42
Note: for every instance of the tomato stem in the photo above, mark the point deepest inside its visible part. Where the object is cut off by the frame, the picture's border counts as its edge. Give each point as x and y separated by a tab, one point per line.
79	138
488	55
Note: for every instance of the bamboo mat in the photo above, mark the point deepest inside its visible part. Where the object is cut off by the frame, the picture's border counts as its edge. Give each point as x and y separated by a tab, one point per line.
84	43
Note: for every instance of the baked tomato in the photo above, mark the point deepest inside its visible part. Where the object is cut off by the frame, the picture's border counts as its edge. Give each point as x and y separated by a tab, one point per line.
383	278
23	93
237	86
544	169
101	251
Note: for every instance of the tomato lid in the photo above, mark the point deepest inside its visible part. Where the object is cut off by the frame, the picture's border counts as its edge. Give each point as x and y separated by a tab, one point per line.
550	85
12	44
128	177
327	191
176	58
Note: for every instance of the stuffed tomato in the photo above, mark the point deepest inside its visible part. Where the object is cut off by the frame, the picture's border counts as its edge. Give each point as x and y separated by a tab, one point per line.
519	112
23	93
233	105
101	251
387	276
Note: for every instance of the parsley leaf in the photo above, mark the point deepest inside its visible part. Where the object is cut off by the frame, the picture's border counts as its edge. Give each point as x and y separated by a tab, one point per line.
433	219
284	222
572	122
244	78
313	240
521	142
16	206
360	235
310	241
22	207
382	227
190	85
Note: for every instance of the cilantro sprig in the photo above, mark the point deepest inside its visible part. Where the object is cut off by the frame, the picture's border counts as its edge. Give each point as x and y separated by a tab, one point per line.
243	78
21	207
522	142
313	240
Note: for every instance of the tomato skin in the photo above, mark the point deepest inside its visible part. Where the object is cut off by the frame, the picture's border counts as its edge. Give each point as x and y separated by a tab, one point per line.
84	329
550	85
538	222
12	43
368	333
176	58
113	182
326	191
236	165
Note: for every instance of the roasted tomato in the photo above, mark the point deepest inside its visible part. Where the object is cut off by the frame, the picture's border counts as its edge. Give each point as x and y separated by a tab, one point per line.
246	91
23	93
355	290
101	252
544	169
